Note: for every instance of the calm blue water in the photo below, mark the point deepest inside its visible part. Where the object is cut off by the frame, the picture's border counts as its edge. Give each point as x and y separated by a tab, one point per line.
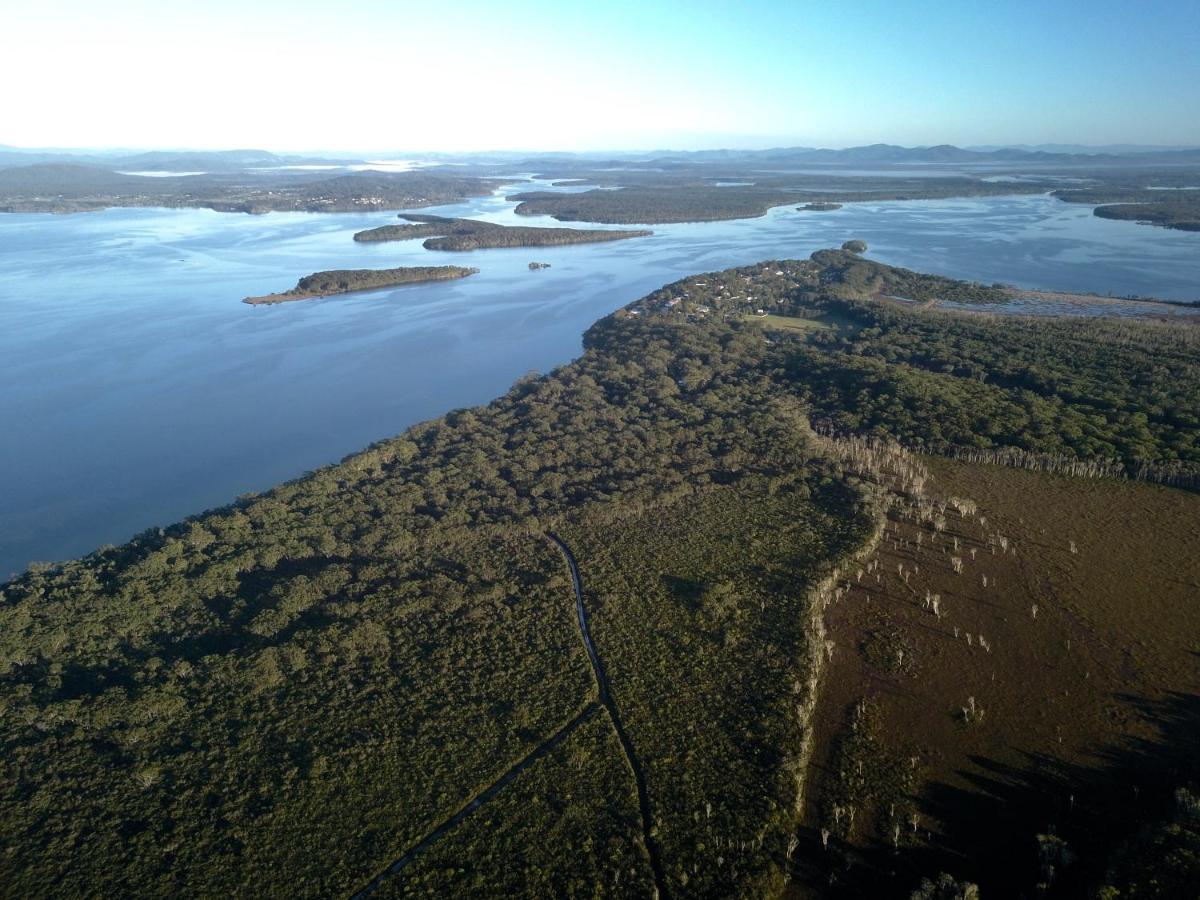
136	388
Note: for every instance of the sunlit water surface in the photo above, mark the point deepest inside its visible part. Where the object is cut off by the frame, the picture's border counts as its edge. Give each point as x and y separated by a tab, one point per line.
136	388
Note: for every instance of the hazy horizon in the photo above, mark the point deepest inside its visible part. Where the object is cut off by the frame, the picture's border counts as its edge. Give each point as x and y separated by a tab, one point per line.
631	75
389	154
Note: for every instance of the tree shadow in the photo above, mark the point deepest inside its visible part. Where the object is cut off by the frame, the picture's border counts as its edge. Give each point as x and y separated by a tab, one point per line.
992	827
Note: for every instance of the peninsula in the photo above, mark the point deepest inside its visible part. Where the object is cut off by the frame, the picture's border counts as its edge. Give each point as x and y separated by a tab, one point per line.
348	281
471	234
688	503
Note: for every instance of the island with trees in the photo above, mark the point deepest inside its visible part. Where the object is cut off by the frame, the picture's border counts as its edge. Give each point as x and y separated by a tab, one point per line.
819	206
348	281
471	234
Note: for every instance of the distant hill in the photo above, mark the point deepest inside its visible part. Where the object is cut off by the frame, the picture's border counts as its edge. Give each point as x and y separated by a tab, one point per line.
944	154
60	178
217	161
1090	149
196	160
230	161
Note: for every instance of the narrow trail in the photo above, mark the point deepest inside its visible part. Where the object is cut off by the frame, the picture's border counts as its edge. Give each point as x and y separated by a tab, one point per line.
660	881
478	800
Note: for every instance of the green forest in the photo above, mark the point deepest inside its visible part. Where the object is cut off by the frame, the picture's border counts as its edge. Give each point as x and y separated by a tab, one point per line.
663	199
1171	205
285	696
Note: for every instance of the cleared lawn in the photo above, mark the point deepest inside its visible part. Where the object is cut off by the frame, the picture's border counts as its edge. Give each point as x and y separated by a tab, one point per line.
792	323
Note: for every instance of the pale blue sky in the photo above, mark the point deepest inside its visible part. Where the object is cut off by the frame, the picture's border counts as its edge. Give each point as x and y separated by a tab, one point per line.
525	74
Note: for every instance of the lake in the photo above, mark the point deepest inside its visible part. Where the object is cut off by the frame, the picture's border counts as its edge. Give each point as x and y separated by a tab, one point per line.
136	388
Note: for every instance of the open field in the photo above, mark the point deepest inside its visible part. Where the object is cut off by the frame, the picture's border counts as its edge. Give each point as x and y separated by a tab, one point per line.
1080	653
795	324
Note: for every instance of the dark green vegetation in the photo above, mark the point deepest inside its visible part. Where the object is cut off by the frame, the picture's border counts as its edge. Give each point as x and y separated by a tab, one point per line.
819	206
63	188
564	828
470	234
715	583
1178	214
1171	205
259	700
657	199
871	782
347	281
730	184
1163	859
1092	389
286	696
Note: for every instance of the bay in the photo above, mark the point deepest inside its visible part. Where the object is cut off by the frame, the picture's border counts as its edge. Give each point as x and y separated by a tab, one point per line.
136	388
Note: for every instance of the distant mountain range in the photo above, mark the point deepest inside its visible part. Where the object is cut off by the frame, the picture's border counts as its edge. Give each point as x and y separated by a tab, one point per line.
1111	149
870	155
214	161
228	161
892	154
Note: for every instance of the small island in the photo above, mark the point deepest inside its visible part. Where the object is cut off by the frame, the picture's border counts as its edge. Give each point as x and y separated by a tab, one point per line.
347	281
819	206
534	266
855	246
470	234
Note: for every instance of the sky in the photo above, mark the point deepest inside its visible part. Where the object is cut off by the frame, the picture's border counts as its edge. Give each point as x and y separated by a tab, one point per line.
468	75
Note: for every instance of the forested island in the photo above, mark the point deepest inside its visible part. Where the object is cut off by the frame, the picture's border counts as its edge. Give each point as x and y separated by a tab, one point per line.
471	234
827	598
819	206
348	281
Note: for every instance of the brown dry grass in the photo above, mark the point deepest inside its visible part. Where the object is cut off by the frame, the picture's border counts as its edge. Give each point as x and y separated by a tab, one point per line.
1090	708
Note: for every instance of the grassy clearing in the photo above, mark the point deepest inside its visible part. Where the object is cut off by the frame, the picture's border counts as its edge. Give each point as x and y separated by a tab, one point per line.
791	323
